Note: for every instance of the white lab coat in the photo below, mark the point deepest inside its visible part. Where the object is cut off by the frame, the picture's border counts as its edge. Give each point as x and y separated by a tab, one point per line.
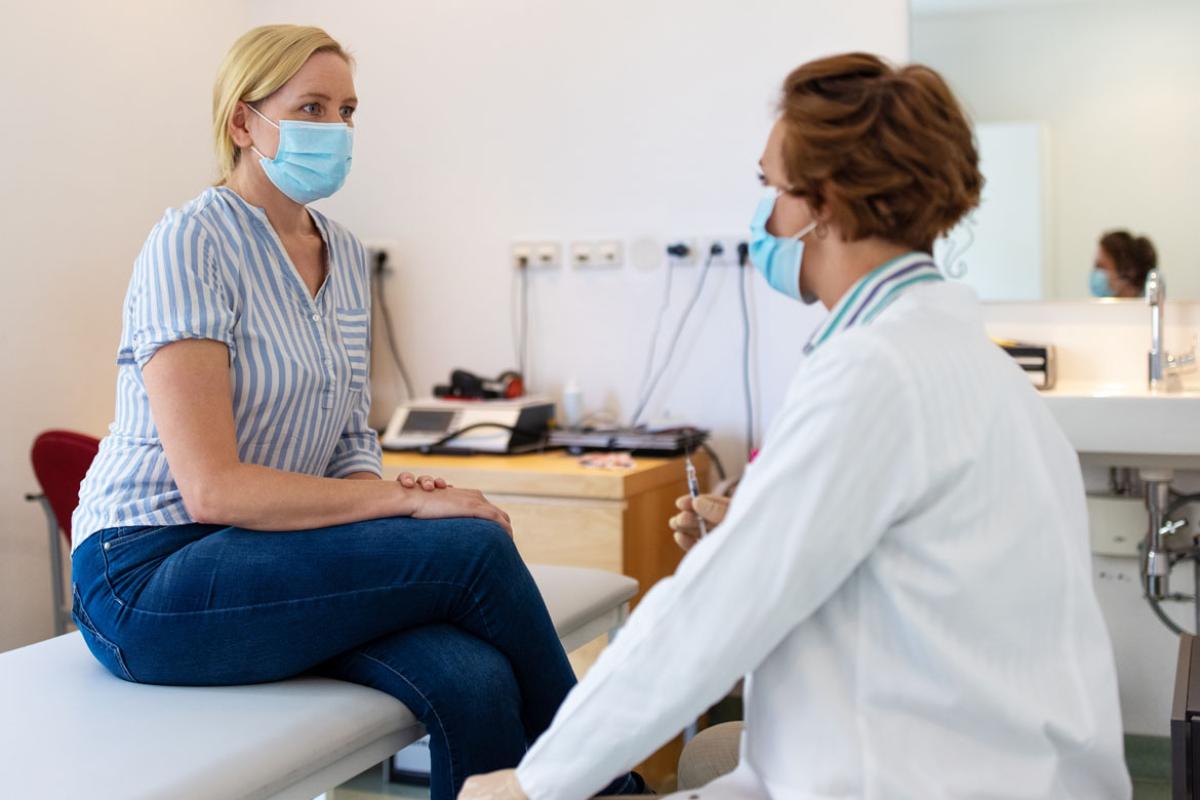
903	574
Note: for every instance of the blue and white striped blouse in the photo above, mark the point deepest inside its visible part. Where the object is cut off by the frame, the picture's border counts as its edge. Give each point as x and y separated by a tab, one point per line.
216	269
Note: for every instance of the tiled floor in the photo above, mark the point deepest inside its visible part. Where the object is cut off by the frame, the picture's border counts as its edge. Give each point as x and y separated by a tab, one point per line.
1151	790
1149	760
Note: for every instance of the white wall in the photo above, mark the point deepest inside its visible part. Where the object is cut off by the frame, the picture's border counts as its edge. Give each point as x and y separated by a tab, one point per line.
480	122
107	125
1118	84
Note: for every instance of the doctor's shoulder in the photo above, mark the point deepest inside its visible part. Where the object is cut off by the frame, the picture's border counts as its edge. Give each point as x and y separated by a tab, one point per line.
850	369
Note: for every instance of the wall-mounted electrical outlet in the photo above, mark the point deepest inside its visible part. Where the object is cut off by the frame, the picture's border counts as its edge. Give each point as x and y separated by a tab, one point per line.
604	253
682	251
388	248
609	253
728	245
547	254
581	254
521	255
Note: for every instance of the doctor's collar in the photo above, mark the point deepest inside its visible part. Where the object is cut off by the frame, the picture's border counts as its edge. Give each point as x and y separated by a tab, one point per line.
874	292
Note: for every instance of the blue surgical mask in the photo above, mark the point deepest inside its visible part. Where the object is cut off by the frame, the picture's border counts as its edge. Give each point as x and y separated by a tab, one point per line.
312	160
778	258
1099	284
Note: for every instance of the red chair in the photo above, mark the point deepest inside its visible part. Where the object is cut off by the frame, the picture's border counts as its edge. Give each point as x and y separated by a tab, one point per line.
60	460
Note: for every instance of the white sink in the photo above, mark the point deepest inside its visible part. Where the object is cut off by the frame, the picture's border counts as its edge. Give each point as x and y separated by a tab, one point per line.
1127	425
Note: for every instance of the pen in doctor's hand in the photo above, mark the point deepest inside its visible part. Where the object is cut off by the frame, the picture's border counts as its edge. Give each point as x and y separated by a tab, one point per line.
694	490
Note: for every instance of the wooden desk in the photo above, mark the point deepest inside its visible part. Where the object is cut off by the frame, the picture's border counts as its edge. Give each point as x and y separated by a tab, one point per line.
564	513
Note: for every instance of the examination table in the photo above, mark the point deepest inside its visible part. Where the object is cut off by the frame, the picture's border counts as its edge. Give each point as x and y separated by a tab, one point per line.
69	729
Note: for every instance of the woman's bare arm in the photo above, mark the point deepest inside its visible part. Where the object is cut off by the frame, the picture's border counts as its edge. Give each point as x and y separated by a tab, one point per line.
191	403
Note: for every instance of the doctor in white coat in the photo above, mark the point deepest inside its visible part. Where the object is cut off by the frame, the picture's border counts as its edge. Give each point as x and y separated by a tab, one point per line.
903	575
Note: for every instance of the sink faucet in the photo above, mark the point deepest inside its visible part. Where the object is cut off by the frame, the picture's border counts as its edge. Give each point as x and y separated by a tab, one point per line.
1162	364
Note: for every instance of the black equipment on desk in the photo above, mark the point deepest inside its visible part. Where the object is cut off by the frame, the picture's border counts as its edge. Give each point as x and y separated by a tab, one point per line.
469	386
1038	361
640	441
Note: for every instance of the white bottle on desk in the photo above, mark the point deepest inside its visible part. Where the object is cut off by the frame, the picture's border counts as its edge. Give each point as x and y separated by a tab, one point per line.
572	405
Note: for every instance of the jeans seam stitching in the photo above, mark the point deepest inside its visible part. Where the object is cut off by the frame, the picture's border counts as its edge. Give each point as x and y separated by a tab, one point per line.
478	607
85	621
285	602
428	702
107	569
132	537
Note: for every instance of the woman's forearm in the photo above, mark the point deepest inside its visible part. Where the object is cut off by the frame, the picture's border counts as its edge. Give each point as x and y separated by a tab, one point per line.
261	498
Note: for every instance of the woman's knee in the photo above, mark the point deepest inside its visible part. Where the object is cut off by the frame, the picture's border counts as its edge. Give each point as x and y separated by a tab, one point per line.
481	539
442	670
468	535
483	683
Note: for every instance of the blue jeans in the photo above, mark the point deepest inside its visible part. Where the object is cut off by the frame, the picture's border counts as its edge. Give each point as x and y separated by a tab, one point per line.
441	614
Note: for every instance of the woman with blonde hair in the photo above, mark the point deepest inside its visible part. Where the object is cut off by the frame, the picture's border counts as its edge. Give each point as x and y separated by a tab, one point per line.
904	572
234	527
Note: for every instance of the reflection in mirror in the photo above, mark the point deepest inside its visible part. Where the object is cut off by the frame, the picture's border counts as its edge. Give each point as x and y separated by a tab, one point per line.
1122	263
1087	116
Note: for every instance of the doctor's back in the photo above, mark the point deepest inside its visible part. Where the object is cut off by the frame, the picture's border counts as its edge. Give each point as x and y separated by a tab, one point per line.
965	655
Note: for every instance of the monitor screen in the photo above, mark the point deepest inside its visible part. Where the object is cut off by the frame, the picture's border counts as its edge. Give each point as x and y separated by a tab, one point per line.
425	421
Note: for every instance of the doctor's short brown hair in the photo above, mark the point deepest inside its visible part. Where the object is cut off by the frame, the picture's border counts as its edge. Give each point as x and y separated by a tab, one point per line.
1133	256
890	147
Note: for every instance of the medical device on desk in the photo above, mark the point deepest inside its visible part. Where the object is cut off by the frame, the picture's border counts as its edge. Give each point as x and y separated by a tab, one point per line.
470	426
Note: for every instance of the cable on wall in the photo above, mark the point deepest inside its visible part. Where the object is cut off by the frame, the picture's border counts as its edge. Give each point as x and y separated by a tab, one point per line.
713	252
379	270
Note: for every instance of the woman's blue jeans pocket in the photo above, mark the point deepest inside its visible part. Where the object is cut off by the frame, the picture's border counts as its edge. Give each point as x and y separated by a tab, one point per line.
113	538
105	651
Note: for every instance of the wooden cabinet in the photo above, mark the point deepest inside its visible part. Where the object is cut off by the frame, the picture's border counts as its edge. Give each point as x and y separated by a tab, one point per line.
564	513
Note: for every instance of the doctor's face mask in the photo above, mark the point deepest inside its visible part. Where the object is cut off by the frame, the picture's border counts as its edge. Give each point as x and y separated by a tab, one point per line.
778	258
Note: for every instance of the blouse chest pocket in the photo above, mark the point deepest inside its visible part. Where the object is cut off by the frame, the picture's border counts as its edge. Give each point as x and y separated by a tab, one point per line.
353	325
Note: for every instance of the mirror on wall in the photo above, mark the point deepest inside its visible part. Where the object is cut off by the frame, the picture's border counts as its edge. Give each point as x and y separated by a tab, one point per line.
1087	115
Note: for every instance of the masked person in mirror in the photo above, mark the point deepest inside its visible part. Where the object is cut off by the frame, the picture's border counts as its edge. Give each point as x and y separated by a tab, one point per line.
1122	263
